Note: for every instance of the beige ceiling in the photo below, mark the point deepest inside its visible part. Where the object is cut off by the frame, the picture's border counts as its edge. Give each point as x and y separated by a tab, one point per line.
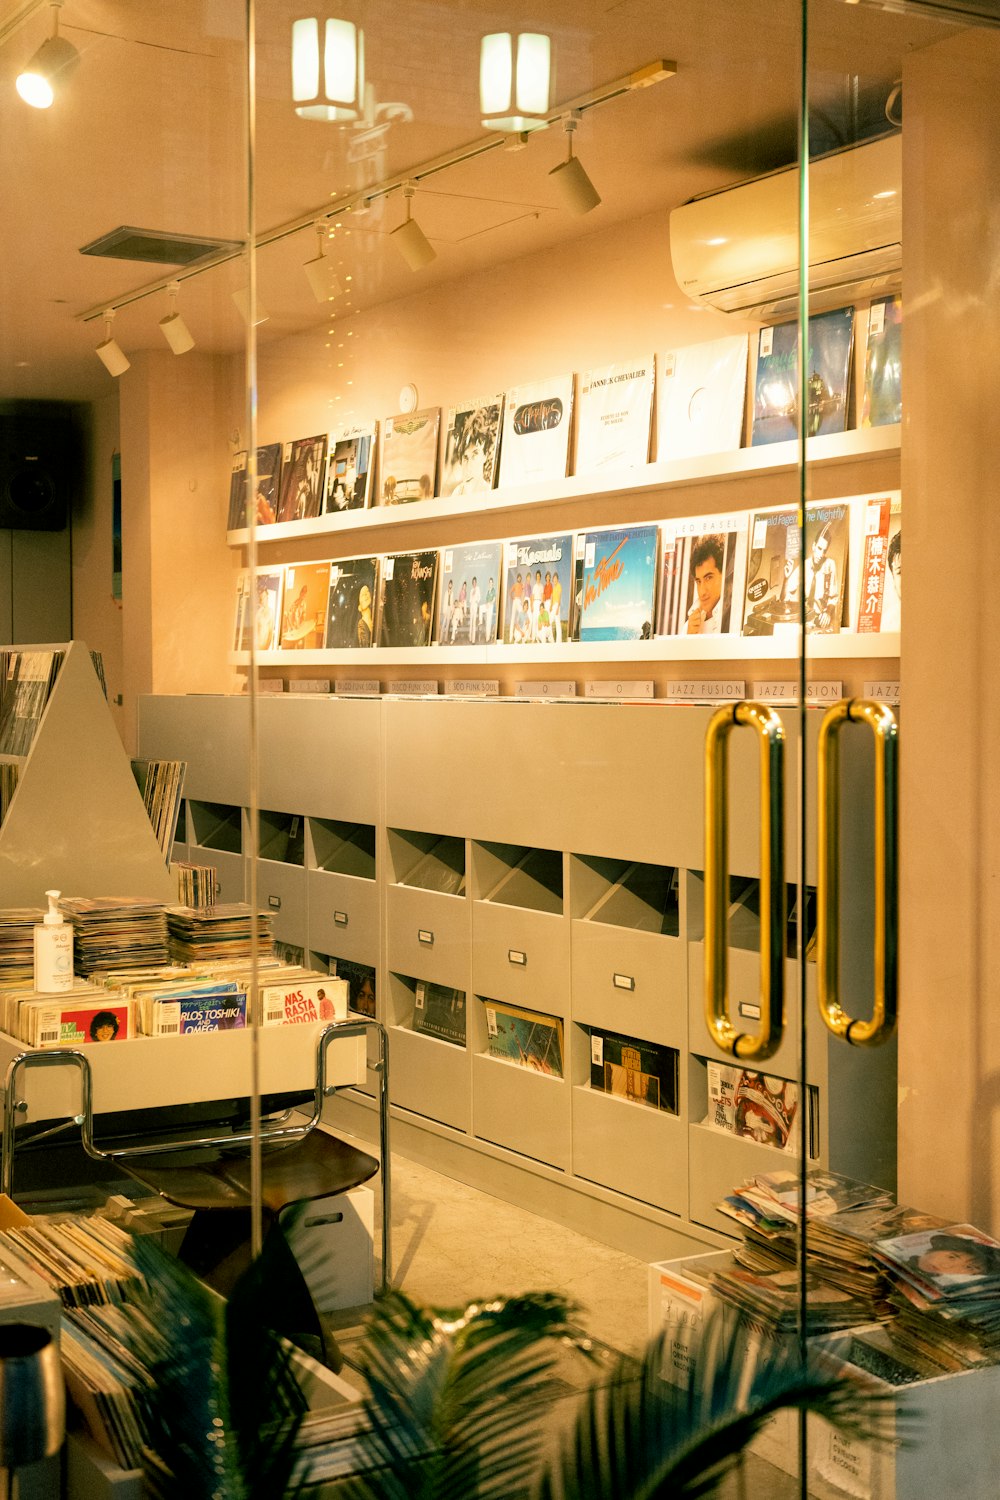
152	132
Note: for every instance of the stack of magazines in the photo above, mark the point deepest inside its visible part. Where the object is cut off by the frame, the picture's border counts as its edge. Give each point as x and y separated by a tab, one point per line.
17	941
946	1292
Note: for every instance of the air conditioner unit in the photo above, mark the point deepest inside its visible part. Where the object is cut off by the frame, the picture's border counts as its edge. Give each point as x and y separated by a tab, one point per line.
738	249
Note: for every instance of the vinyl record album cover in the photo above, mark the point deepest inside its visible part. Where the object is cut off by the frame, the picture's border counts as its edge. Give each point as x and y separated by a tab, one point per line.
539	572
619	584
882	403
350	467
469	594
303	463
303	616
776	572
472	447
881	564
440	1012
260	616
702	570
613	415
351	602
776	382
406	616
536	428
700	398
360	983
267	491
409	456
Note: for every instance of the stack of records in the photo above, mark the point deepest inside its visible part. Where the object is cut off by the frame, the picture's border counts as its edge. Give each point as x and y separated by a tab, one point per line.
843	1218
104	1378
202	935
161	783
190	1005
85	1260
116	932
17	954
946	1291
196	884
74	1017
770	1300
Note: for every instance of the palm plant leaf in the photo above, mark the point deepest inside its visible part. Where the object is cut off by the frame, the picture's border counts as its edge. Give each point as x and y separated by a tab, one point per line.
638	1438
182	1343
226	1406
455	1397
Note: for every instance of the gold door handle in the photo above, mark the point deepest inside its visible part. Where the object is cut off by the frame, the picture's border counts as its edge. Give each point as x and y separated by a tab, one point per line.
882	722
765	1042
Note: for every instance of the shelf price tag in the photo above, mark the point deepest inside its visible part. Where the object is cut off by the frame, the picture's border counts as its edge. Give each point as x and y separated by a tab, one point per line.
623	981
707	692
491	1020
597	1049
515	956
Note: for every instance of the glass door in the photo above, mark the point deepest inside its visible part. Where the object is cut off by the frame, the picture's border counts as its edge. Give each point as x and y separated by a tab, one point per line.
895	1026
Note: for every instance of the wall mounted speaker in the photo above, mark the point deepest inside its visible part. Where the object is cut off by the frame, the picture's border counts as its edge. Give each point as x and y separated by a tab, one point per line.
41	464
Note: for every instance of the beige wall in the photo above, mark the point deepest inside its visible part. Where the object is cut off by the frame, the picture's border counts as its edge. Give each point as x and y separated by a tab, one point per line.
179	575
950	856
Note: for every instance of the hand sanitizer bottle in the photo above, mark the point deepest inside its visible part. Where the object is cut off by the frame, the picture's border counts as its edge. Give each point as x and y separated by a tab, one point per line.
53	950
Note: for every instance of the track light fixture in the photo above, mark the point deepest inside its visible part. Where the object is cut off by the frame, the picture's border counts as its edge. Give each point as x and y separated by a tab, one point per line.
328	80
514	79
241	298
110	353
319	271
408	237
173	326
50	67
579	193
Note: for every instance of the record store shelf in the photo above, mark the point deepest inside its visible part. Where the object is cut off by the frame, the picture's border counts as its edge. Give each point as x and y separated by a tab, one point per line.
772	459
548	857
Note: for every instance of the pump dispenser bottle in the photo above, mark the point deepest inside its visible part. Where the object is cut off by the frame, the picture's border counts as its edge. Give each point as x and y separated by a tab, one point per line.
53	950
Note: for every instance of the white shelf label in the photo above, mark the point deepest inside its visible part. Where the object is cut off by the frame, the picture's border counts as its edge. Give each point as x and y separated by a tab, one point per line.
597	1049
788	692
515	956
475	687
340	917
749	1010
491	1020
424	935
416	687
711	692
766	342
545	688
623	981
618	690
364	687
882	691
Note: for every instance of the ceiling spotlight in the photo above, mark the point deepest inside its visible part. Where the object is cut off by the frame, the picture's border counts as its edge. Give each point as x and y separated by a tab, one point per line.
514	79
319	271
328	83
173	326
241	297
109	353
50	67
408	237
579	193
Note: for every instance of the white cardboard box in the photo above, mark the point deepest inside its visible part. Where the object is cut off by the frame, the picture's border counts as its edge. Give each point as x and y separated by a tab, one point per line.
334	1242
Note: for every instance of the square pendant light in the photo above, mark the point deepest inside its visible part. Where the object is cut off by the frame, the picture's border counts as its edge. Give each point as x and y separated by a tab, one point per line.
514	80
328	70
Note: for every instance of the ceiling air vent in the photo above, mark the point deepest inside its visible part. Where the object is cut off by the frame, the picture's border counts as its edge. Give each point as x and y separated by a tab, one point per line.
126	243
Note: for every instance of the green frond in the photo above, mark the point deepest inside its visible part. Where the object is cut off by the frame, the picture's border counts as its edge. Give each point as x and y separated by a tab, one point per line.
456	1396
639	1438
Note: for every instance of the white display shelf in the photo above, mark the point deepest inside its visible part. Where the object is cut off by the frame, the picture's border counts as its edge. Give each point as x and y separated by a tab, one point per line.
144	1072
769	459
689	649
